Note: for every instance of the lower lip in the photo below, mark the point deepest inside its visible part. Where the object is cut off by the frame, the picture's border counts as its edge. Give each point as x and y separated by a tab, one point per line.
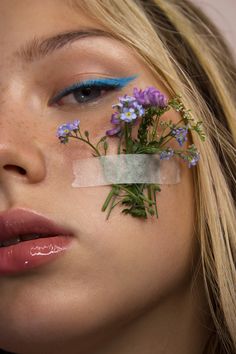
31	254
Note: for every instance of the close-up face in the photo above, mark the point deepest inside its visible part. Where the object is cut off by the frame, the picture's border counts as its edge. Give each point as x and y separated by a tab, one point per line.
113	269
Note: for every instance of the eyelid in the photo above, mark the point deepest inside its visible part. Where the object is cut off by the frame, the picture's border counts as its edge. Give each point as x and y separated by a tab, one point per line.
116	82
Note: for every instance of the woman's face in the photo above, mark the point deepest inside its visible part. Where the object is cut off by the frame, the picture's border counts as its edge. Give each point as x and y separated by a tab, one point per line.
115	269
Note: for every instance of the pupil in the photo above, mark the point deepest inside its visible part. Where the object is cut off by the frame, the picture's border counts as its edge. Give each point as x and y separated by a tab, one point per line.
86	91
87	94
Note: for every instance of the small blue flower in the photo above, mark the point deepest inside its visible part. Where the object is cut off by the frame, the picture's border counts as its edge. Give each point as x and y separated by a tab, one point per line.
193	160
65	130
138	109
192	156
166	154
119	106
126	100
128	115
75	125
180	134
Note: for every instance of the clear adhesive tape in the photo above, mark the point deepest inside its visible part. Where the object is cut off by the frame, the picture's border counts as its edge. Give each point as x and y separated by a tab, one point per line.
125	169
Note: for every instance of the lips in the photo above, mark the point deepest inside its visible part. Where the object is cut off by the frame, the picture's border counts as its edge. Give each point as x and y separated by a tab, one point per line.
29	240
21	225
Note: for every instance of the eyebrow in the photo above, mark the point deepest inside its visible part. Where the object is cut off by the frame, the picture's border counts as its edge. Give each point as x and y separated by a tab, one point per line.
37	48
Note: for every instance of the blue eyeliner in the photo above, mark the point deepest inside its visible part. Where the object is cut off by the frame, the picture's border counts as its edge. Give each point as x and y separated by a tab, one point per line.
116	83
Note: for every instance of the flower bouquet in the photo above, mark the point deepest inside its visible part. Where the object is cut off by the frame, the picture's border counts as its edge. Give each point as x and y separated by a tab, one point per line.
143	110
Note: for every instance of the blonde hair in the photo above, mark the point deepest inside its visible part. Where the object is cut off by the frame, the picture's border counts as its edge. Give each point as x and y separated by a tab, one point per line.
183	48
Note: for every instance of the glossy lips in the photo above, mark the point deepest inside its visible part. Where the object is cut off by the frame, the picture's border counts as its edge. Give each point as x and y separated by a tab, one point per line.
19	225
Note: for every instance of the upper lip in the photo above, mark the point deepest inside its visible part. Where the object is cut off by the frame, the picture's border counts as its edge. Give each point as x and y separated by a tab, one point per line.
17	222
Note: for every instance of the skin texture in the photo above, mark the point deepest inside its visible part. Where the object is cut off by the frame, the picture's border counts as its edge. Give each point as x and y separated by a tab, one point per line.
125	284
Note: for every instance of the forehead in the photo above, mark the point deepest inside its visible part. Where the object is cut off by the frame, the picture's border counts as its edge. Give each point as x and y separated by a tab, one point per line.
27	24
21	20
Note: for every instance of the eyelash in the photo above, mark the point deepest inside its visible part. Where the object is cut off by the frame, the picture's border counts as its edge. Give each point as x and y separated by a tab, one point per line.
107	84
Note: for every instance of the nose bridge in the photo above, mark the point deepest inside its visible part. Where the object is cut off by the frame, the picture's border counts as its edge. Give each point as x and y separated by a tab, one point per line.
18	106
14	126
13	87
15	122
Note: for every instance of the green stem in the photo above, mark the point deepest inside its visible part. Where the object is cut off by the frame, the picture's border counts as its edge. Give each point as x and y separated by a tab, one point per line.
120	141
163	137
114	191
155	127
155	199
112	207
149	189
171	137
127	137
87	142
135	196
166	141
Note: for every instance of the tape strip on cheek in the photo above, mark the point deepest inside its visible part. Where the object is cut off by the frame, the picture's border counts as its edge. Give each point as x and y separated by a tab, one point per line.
125	169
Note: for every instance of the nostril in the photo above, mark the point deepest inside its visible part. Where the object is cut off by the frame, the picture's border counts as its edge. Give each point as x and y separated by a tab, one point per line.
16	169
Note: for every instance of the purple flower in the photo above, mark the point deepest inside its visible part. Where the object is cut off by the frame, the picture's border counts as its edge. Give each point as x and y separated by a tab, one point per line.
115	118
150	97
113	131
166	154
180	134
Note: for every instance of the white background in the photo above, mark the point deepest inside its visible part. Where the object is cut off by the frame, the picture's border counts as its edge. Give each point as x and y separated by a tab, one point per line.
223	13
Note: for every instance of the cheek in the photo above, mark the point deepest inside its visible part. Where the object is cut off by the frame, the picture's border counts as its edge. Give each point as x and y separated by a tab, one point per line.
159	251
176	247
141	260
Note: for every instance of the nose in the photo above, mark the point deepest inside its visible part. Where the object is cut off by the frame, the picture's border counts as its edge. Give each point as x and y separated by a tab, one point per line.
21	155
21	160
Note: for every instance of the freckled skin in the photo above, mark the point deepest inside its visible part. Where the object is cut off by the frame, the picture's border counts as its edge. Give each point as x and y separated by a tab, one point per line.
121	273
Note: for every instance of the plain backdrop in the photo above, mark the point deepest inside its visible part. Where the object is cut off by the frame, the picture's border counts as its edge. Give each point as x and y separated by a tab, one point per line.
223	13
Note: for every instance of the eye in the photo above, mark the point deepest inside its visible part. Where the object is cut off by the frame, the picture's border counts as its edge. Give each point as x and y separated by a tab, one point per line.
84	95
89	91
